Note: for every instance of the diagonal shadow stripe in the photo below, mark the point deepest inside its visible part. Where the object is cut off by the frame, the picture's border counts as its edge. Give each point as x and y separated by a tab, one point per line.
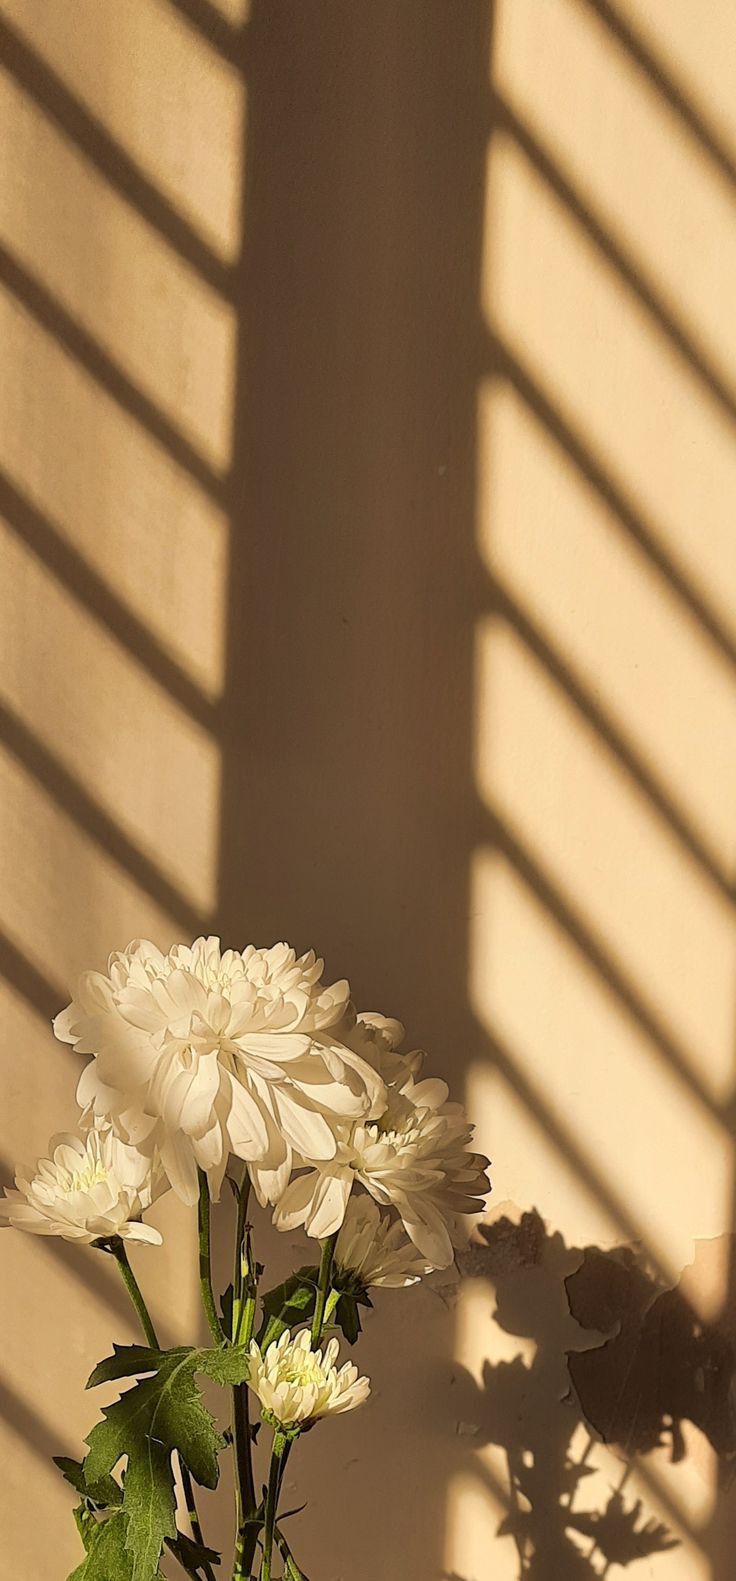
589	706
495	832
105	371
86	1266
630	271
117	167
673	93
58	556
30	1426
502	360
499	1054
225	37
94	822
43	995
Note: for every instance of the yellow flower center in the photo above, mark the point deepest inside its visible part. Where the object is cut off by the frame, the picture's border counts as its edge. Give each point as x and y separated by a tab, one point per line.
93	1174
303	1370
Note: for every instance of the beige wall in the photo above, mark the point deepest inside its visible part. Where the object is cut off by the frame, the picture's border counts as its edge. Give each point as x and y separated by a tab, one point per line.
369	579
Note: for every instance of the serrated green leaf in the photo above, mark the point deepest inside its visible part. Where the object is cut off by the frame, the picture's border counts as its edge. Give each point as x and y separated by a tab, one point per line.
288	1305
107	1493
72	1472
161	1413
150	1504
228	1365
131	1361
190	1554
168	1407
108	1559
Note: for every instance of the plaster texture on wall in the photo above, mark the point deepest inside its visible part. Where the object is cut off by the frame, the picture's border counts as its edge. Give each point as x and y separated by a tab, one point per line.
367	480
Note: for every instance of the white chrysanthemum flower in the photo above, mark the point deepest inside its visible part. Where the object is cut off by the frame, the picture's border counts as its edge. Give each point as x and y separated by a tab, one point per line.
374	1249
414	1158
202	1052
91	1187
296	1384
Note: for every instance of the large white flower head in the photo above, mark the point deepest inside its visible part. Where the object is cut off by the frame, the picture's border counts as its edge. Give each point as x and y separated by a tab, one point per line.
296	1384
373	1248
201	1052
414	1157
91	1187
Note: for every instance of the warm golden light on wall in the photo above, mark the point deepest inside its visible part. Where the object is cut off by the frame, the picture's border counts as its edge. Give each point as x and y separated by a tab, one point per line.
602	905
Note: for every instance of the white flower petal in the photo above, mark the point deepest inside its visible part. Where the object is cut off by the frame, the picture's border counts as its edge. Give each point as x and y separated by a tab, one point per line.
296	1201
305	1128
329	1204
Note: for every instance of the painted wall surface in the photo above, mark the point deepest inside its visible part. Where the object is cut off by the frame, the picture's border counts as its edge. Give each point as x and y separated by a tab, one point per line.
367	482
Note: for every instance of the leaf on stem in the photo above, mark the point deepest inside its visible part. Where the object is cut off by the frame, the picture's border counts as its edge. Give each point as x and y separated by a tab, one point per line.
85	1523
288	1305
106	1493
347	1317
190	1554
161	1413
108	1558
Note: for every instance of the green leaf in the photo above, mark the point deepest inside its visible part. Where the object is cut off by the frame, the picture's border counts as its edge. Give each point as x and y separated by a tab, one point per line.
129	1361
159	1414
85	1523
347	1318
288	1305
168	1407
150	1503
228	1365
108	1558
190	1554
106	1493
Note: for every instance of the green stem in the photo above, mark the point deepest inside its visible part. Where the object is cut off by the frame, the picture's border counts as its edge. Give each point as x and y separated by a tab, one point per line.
272	1498
292	1571
205	1263
244	1306
136	1295
241	1268
323	1288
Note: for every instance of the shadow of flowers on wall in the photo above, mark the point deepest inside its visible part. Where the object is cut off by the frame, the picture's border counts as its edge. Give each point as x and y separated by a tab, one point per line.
618	1358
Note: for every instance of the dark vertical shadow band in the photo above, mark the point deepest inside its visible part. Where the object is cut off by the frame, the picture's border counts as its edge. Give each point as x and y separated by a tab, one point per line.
347	803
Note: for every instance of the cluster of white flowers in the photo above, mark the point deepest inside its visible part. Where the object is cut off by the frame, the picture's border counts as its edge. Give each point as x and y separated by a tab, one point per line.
201	1054
413	1157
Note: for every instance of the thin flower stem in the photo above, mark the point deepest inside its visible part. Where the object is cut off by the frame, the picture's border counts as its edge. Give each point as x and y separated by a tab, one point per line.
323	1288
281	1446
146	1321
239	1271
292	1571
205	1264
272	1498
244	1306
136	1294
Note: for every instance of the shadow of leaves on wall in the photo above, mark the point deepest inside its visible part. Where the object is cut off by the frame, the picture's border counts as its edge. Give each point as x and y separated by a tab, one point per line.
616	1353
